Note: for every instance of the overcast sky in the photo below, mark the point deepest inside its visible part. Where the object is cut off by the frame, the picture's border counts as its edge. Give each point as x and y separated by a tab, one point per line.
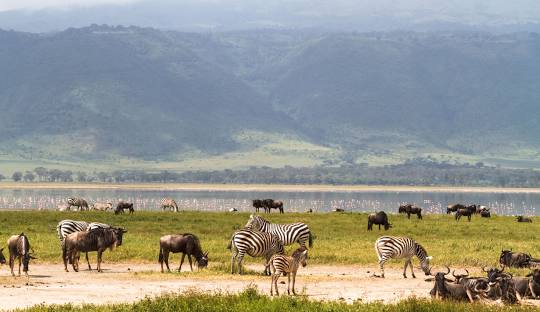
6	5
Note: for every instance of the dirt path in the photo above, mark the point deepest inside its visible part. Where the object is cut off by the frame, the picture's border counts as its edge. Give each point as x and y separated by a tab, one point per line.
131	282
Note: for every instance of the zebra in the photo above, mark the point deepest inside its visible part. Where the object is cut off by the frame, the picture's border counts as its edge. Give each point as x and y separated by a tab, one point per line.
388	247
169	203
66	227
78	202
255	244
281	264
287	233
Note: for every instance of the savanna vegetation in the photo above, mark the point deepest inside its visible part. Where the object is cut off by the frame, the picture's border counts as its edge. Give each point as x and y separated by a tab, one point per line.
252	300
419	171
340	238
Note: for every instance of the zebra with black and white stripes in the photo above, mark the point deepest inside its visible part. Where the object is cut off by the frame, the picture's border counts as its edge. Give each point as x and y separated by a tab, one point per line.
66	227
288	233
287	265
393	247
255	244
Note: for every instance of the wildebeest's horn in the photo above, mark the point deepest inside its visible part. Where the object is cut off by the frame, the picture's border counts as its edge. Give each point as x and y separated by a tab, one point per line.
484	269
447	269
503	266
467	272
454	275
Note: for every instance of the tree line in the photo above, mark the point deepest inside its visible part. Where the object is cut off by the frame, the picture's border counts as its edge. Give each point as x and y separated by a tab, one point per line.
413	172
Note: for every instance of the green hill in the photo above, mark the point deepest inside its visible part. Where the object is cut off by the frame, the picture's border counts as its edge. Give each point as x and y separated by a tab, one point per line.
128	97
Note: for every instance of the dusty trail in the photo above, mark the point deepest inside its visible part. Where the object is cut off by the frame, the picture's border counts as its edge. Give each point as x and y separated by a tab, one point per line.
49	284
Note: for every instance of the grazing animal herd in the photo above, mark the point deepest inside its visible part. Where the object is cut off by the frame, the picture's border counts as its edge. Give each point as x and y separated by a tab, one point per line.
262	238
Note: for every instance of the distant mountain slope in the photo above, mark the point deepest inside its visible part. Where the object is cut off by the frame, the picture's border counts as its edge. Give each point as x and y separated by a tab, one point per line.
116	93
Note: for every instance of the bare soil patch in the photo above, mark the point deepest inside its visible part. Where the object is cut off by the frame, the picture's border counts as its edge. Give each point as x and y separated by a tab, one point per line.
49	284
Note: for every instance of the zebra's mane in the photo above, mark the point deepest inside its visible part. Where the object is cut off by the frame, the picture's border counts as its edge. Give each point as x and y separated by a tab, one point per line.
420	251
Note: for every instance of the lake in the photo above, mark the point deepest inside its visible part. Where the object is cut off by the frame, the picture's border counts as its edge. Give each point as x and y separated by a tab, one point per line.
504	203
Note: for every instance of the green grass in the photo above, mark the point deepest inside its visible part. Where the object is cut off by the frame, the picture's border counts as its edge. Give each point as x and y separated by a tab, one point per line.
252	300
339	238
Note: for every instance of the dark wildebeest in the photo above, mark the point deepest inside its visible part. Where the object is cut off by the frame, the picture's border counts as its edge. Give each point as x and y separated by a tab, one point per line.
454	207
2	258
98	239
523	219
80	203
379	218
474	286
468	212
447	289
123	205
410	209
515	259
534	283
485	213
258	204
272	204
506	284
187	244
19	248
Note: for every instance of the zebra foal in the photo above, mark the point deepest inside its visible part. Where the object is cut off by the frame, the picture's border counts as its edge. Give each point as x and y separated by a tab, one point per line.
255	244
393	247
288	233
287	265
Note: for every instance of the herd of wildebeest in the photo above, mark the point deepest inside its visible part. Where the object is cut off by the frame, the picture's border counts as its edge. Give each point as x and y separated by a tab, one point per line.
261	238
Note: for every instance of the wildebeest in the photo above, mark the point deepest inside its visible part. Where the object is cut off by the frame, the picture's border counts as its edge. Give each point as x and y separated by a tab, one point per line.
169	203
19	248
80	203
379	218
187	244
2	258
102	206
453	208
474	286
468	212
122	205
98	239
505	282
485	213
410	209
534	283
509	258
272	204
447	289
338	210
523	219
258	204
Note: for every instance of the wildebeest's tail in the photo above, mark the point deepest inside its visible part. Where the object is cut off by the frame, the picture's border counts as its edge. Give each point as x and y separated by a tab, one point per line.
160	258
310	241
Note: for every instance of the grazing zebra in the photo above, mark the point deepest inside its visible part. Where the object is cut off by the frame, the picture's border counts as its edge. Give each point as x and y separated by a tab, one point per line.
388	247
66	227
80	203
281	264
255	244
288	233
169	203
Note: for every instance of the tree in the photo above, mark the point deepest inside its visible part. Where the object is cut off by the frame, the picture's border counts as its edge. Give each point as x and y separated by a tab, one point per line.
29	176
41	173
81	176
2	177
17	176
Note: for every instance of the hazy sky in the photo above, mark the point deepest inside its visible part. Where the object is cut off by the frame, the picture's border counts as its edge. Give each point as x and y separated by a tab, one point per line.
6	5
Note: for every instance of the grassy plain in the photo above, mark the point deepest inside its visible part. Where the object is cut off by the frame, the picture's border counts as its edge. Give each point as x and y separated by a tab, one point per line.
252	300
340	238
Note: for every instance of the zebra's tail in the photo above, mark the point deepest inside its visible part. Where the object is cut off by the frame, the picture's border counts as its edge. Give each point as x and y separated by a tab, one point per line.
160	257
229	246
310	241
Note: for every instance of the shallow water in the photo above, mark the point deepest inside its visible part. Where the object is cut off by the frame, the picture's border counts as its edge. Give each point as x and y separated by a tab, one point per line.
432	202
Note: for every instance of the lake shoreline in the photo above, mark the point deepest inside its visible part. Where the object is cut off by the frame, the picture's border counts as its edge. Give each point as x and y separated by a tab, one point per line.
266	187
